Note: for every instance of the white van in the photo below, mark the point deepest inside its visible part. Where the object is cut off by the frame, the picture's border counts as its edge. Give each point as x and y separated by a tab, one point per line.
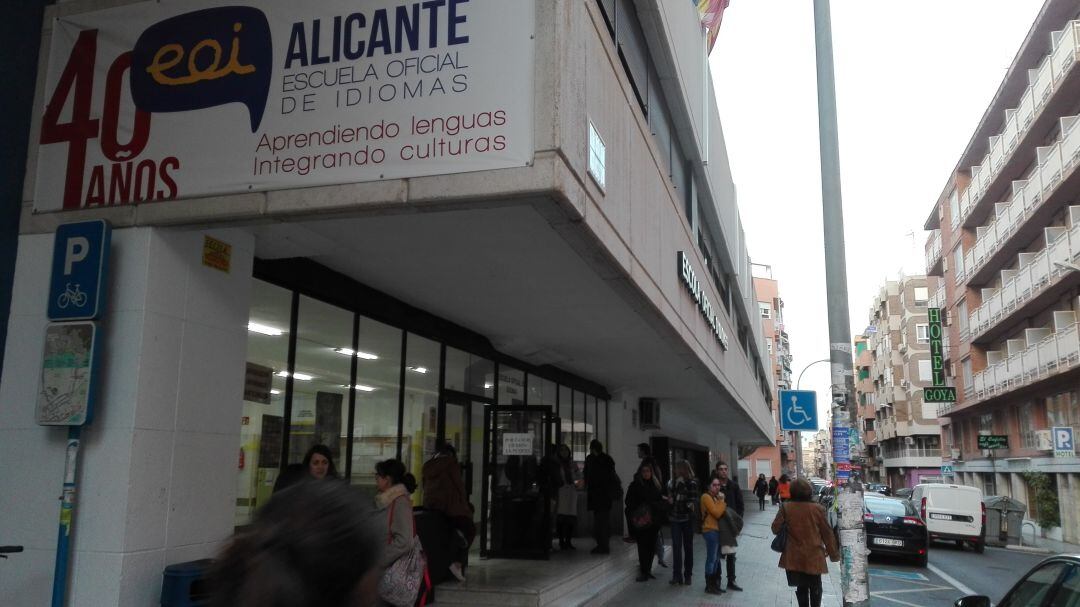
952	512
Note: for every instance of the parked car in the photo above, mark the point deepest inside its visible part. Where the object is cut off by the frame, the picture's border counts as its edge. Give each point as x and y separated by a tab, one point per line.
952	512
1054	581
878	488
893	526
904	492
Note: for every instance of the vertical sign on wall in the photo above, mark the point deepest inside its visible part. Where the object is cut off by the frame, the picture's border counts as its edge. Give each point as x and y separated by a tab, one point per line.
940	393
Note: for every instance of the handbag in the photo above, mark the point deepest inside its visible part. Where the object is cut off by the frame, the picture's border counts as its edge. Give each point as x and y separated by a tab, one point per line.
780	541
401	582
641	517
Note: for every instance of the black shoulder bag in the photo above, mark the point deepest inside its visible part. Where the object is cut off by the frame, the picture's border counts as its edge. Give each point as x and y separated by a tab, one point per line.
780	541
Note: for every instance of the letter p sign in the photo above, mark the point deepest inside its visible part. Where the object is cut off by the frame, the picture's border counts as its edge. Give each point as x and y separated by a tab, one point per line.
78	247
80	257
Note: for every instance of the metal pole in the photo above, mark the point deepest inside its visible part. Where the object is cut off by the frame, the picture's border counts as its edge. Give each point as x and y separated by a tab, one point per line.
852	535
67	516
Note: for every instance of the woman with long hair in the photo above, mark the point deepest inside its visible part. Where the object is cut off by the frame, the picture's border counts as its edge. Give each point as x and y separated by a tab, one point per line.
685	494
645	504
566	501
809	538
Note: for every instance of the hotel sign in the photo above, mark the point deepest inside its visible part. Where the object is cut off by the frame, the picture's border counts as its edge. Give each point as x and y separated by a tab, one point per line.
940	393
697	291
160	101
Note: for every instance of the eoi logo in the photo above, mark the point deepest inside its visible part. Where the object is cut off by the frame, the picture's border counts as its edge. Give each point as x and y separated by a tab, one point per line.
204	59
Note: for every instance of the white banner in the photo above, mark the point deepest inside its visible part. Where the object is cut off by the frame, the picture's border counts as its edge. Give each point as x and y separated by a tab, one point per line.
166	100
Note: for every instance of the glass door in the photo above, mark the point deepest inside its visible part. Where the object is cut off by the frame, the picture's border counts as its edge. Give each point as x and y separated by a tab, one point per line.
516	519
461	425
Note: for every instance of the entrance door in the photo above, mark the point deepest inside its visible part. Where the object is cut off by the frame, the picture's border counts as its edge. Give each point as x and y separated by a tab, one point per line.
516	518
460	425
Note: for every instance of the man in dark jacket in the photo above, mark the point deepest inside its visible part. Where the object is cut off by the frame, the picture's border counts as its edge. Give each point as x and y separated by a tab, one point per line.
734	498
601	489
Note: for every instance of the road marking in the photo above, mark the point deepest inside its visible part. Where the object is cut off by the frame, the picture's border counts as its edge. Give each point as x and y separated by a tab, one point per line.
948	578
900	575
924	589
878	595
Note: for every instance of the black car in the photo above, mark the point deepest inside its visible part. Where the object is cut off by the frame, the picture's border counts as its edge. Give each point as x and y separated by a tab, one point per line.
893	526
878	488
1053	582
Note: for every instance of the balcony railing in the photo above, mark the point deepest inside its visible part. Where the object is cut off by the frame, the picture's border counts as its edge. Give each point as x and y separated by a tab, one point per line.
1028	281
937	300
1054	163
1042	82
933	252
1054	354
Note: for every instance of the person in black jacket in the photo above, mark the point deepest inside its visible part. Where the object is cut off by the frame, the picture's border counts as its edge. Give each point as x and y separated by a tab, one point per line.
646	503
601	489
774	491
761	488
734	498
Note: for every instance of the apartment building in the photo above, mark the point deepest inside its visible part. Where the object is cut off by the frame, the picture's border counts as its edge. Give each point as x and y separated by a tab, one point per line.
892	362
779	458
1005	238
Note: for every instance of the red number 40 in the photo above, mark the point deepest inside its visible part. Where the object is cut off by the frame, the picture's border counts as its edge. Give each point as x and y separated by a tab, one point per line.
77	81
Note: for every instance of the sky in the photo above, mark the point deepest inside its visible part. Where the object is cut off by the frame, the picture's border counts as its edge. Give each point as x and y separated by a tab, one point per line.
913	80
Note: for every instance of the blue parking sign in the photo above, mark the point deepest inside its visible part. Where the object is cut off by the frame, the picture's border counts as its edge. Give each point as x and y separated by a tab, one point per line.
1064	444
80	259
798	410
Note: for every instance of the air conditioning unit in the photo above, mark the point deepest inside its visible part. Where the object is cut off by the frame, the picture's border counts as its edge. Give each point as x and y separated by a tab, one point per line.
903	348
1044	441
905	384
649	413
909	441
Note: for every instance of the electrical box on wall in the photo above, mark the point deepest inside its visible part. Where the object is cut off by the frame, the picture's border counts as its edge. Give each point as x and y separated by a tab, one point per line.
649	413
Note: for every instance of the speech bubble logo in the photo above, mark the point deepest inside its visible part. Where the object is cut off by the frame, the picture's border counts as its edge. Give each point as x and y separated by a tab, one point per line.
204	59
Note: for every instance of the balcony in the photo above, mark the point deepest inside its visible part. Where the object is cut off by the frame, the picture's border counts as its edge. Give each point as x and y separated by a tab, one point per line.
937	300
1026	364
933	254
1026	122
1038	275
1030	197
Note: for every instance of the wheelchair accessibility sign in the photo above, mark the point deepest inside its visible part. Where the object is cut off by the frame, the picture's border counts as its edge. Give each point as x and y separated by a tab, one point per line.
798	410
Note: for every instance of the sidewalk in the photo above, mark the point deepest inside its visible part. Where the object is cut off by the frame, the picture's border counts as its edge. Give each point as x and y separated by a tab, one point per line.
763	582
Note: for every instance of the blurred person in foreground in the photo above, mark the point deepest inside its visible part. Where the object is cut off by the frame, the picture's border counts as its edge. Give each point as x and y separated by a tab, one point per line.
808	532
312	545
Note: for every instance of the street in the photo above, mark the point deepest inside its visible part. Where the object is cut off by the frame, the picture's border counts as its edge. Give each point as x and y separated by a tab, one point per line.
952	573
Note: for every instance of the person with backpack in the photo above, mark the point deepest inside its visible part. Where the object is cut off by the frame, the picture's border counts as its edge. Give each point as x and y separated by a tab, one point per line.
685	494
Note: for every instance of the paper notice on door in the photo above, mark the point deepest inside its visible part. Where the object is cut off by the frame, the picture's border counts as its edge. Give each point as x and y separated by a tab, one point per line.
517	444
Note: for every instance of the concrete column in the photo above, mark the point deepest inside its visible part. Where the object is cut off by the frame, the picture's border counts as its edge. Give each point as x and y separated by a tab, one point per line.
158	469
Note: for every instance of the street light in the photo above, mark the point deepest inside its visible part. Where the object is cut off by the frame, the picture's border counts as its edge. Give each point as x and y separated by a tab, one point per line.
796	435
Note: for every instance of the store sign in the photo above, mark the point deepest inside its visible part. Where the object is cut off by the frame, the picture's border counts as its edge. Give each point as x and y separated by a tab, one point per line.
697	291
993	441
946	394
166	100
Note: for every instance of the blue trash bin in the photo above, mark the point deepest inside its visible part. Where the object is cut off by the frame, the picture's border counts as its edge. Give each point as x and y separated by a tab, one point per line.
184	584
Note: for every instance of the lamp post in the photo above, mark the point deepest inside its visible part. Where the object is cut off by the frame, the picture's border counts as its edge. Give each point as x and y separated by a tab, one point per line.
795	434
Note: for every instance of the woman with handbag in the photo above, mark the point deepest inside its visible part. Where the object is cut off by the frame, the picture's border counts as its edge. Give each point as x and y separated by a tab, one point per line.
713	507
646	505
405	567
807	531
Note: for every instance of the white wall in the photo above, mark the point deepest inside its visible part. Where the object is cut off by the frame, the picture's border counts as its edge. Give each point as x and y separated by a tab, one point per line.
158	463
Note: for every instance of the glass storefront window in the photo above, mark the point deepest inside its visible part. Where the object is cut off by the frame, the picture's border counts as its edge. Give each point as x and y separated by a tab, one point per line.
321	381
565	408
542	392
378	390
469	373
511	386
579	445
602	423
262	418
420	425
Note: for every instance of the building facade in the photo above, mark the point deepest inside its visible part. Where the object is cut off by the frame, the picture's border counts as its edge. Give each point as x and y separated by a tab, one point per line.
893	364
515	229
778	458
1005	238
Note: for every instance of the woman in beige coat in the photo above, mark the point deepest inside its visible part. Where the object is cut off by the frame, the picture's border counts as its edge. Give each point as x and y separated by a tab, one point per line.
809	538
